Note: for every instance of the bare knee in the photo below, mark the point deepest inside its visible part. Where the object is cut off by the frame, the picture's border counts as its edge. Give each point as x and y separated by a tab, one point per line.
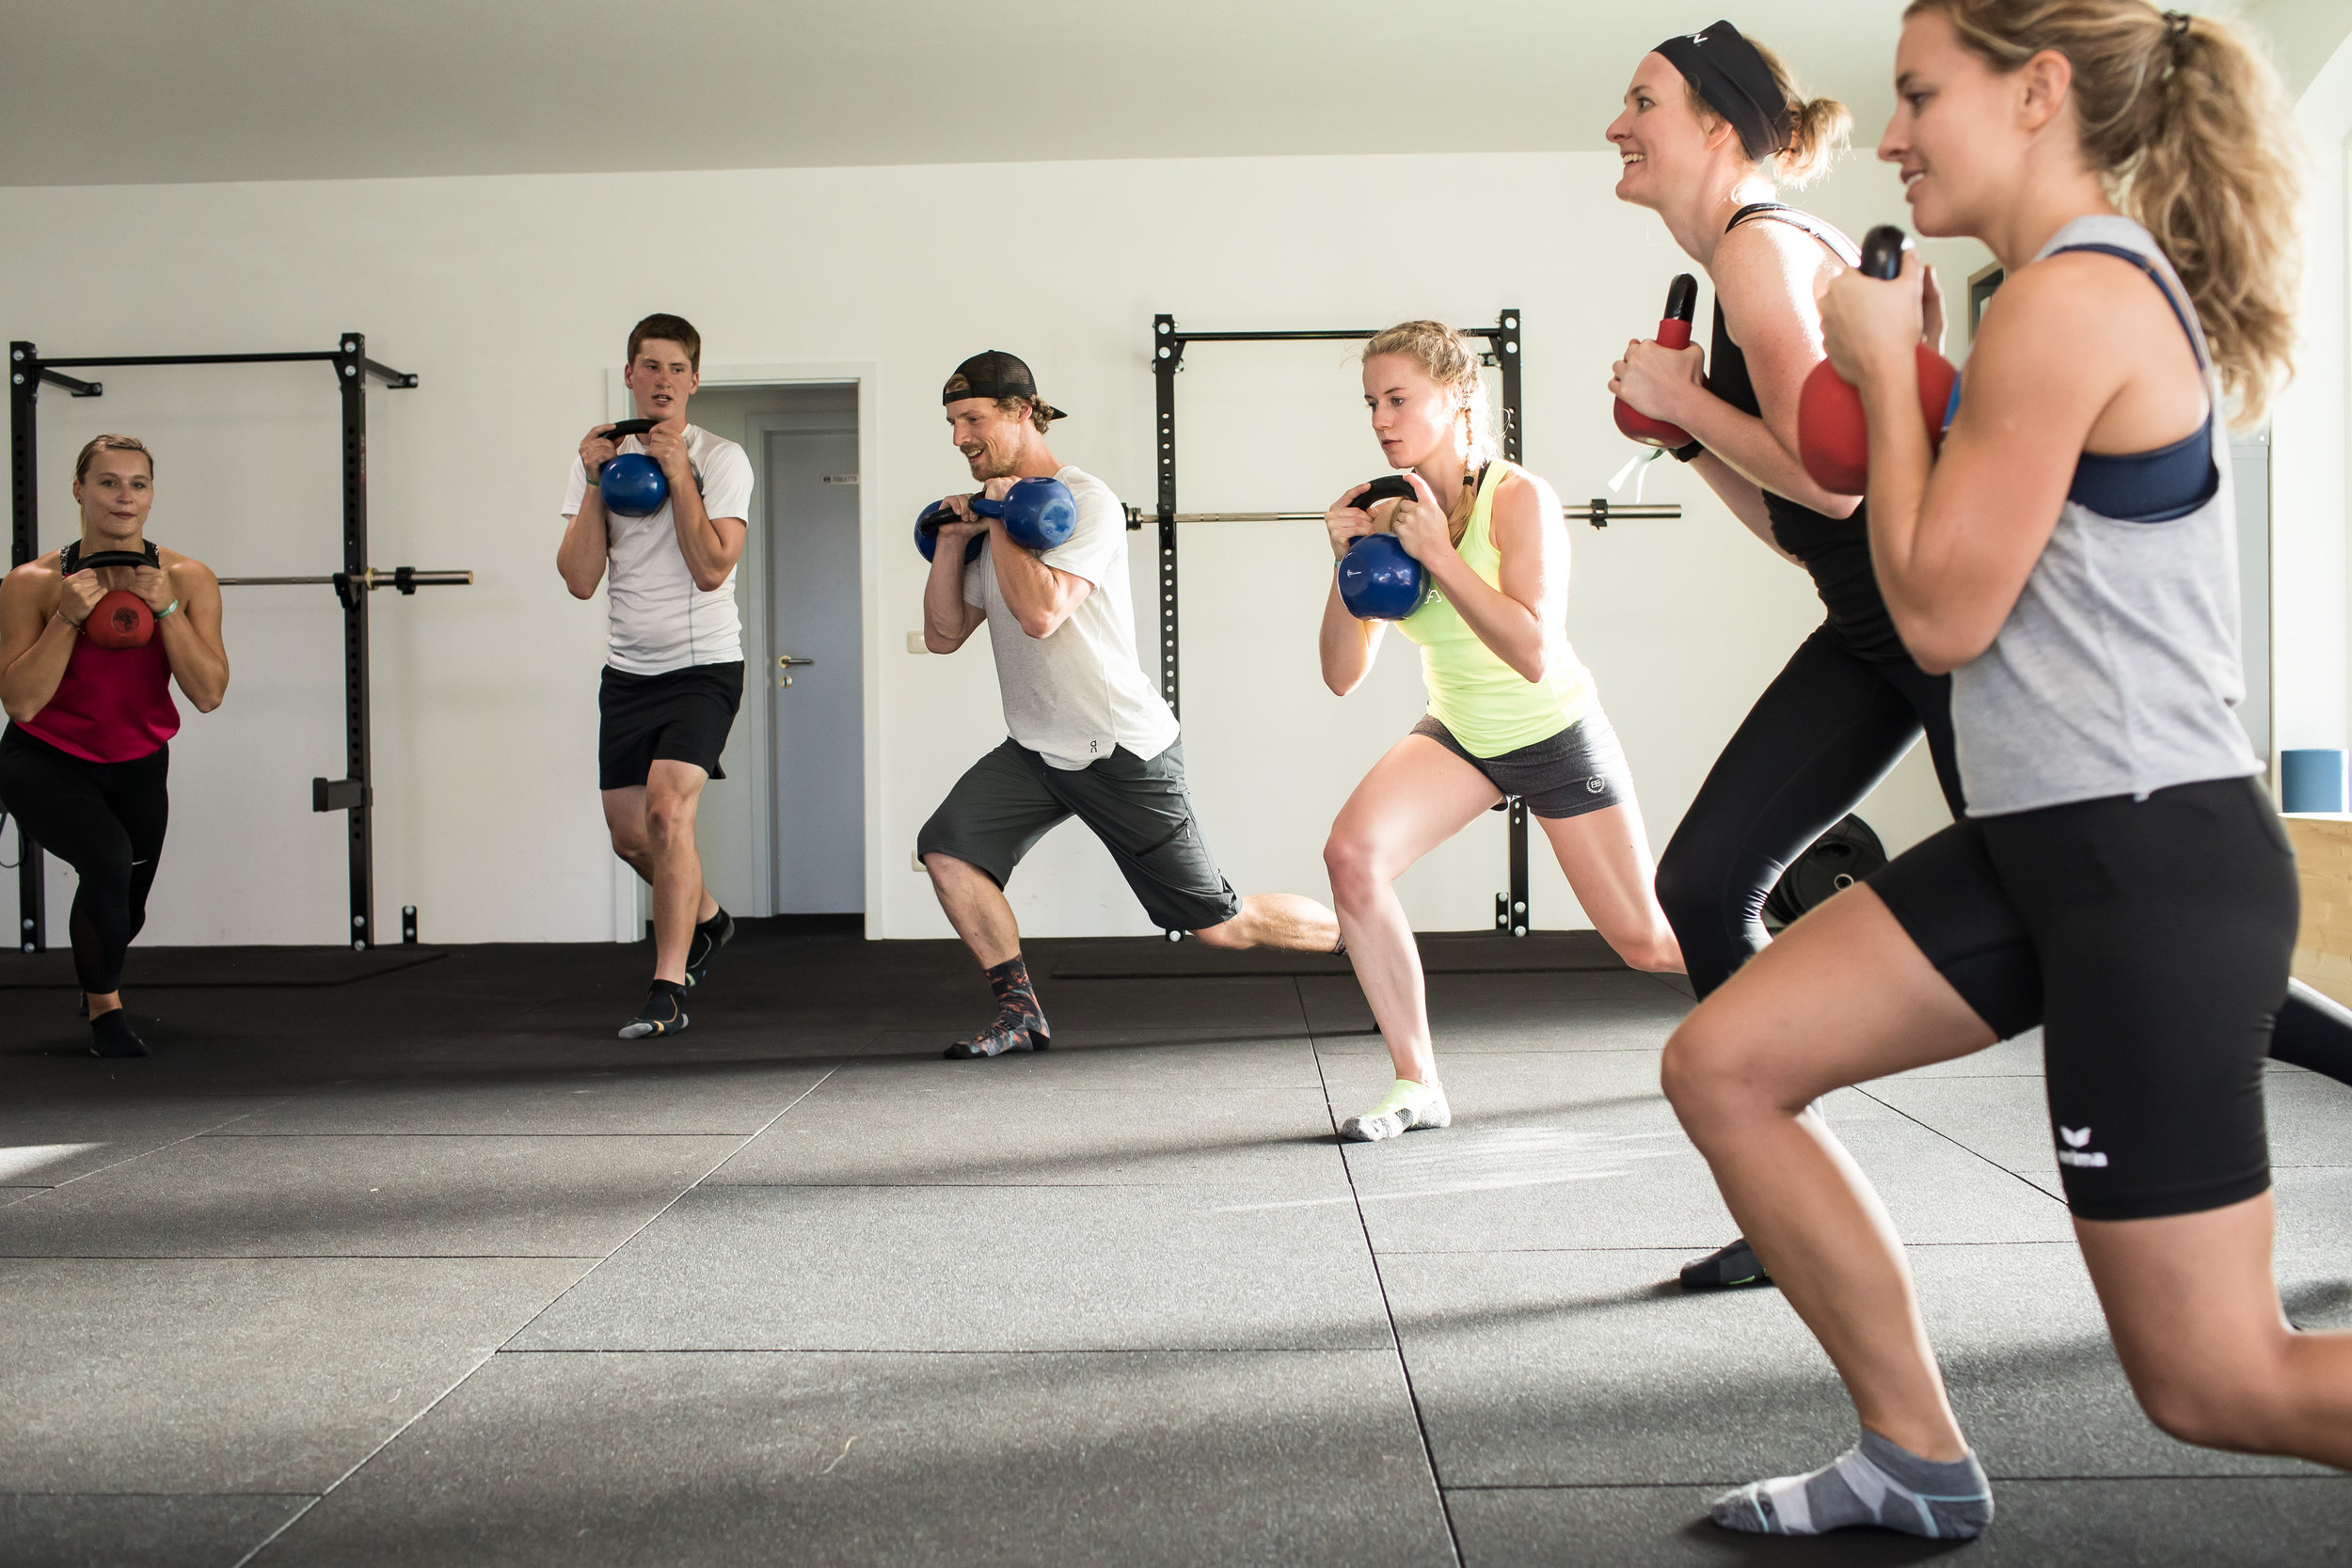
1354	866
1232	934
629	841
1652	950
1703	1075
669	820
2213	1410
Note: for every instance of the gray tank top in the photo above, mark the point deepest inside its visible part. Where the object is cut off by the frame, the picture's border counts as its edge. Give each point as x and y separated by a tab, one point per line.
2117	671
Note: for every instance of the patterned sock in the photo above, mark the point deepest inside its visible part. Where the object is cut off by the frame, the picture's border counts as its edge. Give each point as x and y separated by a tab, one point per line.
1409	1105
664	1012
1019	1023
1874	1482
710	936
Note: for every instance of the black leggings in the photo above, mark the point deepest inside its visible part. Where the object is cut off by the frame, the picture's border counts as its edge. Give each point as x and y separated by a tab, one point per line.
106	820
1822	736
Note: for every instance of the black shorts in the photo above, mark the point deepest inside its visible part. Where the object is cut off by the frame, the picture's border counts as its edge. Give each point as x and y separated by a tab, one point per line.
1140	809
1579	769
676	715
2149	939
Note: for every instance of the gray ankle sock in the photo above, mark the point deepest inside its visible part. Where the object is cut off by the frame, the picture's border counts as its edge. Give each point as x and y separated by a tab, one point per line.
1874	1482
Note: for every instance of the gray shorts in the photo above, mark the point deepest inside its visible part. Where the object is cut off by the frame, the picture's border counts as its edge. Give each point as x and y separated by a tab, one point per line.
1579	769
1140	810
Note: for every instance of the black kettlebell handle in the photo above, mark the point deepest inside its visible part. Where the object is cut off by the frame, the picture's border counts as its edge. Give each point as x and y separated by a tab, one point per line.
1682	297
111	558
1386	487
940	512
1882	253
626	427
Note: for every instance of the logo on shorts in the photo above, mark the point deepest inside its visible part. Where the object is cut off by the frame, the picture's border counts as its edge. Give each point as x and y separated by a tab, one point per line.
1595	785
2074	1154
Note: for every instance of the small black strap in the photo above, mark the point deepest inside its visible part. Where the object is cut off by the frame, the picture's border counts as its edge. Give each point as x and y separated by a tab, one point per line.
1779	211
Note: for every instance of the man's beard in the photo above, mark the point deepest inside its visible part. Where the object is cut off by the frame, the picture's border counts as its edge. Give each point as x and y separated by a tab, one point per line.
991	463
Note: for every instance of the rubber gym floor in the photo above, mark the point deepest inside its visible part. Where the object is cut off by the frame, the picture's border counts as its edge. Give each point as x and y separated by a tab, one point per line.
402	1258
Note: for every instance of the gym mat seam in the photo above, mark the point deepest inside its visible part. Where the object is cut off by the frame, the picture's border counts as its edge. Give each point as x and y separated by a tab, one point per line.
1396	1341
436	1402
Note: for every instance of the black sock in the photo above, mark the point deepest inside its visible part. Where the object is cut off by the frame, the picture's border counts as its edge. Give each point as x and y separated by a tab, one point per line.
111	1034
664	1012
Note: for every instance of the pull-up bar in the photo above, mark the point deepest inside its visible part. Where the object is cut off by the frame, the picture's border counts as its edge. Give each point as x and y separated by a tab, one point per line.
1598	514
29	371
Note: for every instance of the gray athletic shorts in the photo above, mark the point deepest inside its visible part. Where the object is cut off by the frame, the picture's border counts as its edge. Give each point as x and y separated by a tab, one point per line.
1579	769
1140	810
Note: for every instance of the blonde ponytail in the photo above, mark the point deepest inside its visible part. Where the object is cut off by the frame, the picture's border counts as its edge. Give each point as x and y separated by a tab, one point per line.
2191	131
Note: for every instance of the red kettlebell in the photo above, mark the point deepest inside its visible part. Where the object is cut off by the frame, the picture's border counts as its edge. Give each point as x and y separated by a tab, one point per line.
1682	298
119	620
1832	434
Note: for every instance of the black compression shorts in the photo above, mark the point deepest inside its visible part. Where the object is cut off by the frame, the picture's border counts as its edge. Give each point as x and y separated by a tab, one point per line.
2149	939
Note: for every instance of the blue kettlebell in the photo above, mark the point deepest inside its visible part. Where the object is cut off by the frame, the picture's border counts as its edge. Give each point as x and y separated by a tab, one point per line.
633	484
1039	514
1379	581
926	533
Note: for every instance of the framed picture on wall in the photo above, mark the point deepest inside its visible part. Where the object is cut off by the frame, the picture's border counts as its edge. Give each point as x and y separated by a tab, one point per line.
1981	286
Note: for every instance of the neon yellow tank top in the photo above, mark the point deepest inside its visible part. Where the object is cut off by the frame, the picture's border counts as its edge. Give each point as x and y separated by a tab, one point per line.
1490	708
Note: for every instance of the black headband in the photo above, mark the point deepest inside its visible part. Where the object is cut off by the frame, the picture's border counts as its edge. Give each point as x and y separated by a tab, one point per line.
1725	69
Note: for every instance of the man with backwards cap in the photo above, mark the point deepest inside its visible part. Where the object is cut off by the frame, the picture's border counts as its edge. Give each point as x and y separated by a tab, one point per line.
1090	737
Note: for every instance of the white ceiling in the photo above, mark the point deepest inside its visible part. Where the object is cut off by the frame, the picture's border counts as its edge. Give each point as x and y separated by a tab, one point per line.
128	91
132	92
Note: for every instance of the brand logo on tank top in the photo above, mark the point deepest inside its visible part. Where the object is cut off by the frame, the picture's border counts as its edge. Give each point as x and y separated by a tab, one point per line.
2073	1153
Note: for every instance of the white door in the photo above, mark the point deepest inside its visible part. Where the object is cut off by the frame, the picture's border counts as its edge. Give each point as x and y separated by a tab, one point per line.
814	680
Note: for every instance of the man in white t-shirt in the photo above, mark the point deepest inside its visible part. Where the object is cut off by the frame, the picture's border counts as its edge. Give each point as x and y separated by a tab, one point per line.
673	661
1090	736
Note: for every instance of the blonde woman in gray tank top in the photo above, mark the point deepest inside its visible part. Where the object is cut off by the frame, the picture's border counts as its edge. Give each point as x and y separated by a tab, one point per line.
2120	879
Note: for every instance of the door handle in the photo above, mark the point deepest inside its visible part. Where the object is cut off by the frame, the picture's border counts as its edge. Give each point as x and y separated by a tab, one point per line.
784	663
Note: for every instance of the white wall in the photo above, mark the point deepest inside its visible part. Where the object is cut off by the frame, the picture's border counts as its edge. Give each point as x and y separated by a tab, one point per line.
510	296
2311	569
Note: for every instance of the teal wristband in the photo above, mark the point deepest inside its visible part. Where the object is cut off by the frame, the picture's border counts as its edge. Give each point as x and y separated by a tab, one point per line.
167	610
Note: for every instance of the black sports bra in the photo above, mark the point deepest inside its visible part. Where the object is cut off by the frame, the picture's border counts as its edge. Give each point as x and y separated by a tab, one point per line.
1834	551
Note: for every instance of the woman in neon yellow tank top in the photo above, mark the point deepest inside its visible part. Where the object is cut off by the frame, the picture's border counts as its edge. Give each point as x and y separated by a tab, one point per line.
1511	710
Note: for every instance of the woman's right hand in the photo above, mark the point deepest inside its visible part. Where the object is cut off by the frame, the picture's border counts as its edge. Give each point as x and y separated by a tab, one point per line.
82	592
1347	522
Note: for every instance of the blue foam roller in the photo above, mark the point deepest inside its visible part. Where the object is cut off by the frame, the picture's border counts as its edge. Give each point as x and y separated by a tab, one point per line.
2312	779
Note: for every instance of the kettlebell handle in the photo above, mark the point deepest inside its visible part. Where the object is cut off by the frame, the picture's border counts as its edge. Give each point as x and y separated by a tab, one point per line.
111	558
626	427
1386	487
1682	297
1882	253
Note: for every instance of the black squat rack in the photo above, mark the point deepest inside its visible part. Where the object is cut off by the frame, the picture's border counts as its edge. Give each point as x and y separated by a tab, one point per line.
28	370
1502	353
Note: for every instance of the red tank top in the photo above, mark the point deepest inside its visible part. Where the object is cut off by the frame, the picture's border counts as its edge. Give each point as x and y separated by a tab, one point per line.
114	705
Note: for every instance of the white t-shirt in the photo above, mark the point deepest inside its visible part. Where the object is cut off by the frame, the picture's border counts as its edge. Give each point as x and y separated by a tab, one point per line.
1074	695
659	620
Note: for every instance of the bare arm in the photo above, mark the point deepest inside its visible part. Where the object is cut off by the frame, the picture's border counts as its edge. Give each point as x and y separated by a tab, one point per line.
1346	645
191	634
1765	275
1745	497
711	545
1524	621
587	544
41	615
949	620
2063	365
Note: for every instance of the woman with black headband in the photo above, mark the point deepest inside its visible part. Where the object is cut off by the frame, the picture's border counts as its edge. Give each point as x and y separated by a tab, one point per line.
1711	122
1712	125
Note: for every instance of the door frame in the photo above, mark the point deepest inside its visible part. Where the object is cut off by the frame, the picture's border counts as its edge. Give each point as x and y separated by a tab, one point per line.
631	905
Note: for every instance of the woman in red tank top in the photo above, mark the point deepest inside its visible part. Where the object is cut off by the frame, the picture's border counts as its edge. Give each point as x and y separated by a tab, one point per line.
83	760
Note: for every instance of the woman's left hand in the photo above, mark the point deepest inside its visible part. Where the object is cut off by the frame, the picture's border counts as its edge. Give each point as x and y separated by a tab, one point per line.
153	584
1867	321
1420	522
